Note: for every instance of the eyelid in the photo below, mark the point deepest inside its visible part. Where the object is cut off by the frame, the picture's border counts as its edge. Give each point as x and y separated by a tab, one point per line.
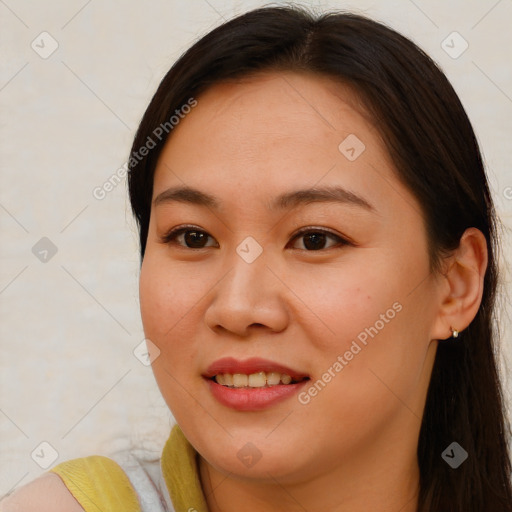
169	236
317	229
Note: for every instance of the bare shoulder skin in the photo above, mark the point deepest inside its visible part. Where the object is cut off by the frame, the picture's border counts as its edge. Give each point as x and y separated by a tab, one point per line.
44	494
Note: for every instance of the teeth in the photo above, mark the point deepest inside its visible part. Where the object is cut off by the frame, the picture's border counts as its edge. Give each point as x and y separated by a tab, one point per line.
273	378
286	379
254	380
257	380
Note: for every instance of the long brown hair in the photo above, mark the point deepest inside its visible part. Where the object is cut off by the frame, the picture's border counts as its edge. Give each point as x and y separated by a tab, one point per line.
433	146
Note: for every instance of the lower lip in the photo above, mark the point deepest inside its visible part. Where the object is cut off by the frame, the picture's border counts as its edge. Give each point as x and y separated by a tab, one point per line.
253	399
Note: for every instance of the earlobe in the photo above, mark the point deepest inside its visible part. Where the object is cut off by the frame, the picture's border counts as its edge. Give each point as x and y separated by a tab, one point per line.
463	283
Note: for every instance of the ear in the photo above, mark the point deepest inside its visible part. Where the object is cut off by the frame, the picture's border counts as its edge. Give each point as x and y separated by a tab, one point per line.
461	285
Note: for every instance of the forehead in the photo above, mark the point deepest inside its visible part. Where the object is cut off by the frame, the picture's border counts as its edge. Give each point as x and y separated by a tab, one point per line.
262	133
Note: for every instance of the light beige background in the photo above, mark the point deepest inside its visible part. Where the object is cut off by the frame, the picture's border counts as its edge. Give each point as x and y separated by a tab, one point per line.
69	326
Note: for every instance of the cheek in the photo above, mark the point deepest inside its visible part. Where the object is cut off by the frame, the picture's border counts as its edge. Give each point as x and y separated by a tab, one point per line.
368	313
169	297
376	355
168	293
347	300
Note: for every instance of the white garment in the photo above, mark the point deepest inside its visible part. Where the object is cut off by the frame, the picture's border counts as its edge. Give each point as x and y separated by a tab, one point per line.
147	480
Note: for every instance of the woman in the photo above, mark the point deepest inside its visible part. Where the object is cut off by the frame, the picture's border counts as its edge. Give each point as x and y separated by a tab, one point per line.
317	284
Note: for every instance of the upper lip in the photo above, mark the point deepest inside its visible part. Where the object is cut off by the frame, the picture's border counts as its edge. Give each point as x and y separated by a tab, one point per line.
247	366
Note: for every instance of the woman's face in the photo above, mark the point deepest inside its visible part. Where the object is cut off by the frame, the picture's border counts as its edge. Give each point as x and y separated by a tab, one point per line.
300	254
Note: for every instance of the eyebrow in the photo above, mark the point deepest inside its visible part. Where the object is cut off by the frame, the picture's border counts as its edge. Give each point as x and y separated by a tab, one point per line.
286	201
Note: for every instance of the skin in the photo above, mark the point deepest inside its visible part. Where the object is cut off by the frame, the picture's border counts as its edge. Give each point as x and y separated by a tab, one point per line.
352	447
44	494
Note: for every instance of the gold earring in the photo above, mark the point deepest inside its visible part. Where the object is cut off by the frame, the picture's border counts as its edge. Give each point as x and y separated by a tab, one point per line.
455	333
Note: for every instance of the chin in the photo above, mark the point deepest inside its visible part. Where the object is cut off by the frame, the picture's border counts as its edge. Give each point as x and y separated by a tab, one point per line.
262	466
249	455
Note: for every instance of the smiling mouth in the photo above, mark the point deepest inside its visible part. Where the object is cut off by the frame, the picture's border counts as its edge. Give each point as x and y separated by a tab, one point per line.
255	380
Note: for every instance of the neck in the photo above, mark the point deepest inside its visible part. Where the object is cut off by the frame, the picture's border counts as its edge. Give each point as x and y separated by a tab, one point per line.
385	484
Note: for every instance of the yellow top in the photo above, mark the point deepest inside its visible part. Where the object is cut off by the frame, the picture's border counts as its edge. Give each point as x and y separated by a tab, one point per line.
99	483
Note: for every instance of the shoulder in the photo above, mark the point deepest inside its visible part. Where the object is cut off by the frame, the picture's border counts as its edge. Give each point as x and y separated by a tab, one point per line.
47	493
76	485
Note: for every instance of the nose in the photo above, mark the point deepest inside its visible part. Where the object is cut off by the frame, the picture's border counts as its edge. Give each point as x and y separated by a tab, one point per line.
248	299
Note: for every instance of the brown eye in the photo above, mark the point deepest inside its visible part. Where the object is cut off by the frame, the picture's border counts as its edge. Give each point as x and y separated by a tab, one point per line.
195	239
190	238
316	240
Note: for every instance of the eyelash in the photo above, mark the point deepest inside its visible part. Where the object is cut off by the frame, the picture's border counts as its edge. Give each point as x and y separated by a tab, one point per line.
171	236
